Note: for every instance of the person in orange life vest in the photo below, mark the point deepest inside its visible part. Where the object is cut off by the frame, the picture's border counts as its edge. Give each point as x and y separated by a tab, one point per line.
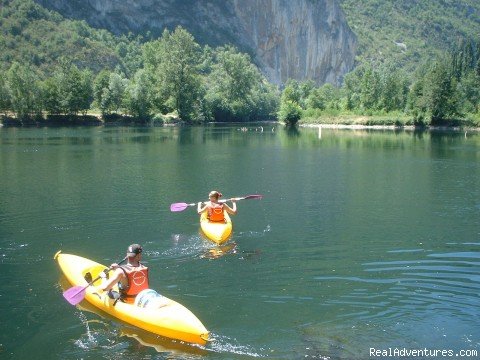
215	209
131	278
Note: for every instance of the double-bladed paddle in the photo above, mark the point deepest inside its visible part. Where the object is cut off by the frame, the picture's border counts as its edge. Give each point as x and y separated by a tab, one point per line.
76	294
182	206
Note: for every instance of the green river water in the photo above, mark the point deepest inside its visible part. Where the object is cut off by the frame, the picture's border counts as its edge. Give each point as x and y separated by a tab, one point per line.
363	239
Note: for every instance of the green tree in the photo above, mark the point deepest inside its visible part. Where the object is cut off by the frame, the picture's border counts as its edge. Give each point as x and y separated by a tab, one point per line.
113	97
370	89
74	89
290	112
51	96
416	104
235	74
100	85
5	103
292	91
85	91
138	95
469	92
305	89
324	97
352	87
177	74
393	88
266	99
24	91
235	87
440	92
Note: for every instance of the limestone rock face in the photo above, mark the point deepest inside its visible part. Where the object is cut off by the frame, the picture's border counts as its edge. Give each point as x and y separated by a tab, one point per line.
298	39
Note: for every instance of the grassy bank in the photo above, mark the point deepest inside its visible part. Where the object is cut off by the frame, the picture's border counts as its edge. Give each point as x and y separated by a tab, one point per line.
396	119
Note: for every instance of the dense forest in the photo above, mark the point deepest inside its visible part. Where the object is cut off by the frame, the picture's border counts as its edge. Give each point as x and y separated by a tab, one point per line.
51	67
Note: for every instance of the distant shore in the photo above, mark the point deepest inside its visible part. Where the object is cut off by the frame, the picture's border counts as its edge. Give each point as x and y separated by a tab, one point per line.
389	127
387	122
347	122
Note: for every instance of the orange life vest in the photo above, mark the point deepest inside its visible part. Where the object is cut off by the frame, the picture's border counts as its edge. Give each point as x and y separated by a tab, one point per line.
215	212
137	280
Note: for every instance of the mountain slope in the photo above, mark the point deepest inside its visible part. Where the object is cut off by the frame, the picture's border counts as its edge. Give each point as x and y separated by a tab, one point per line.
410	31
302	39
31	34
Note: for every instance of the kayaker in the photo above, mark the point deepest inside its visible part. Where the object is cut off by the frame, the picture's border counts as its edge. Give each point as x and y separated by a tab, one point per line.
215	209
131	278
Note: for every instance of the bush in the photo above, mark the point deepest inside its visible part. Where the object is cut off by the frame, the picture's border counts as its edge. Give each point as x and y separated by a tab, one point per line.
290	112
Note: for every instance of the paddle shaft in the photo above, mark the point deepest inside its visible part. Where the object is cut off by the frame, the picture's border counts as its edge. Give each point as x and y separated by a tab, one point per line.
182	206
97	278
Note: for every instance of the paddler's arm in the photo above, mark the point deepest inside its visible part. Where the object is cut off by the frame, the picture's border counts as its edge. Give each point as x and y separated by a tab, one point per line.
201	209
231	210
114	278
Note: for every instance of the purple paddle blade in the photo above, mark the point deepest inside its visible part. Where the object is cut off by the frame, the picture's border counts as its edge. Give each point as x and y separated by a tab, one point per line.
74	295
178	207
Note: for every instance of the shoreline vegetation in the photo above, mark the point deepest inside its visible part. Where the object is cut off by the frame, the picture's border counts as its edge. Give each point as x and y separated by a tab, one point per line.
350	122
387	122
93	119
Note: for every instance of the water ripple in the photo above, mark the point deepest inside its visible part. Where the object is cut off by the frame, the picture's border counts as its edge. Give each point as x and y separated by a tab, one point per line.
439	282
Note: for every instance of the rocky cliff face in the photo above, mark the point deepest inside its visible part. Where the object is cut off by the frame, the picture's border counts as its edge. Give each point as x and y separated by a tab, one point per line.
301	39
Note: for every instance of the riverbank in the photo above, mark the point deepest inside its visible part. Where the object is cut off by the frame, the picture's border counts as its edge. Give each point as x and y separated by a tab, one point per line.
387	122
390	127
91	119
351	122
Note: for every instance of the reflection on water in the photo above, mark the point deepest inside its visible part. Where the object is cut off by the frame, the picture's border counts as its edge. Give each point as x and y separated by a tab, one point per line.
421	284
407	297
219	251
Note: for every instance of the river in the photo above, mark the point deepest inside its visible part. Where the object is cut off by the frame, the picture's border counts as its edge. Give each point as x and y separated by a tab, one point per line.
363	239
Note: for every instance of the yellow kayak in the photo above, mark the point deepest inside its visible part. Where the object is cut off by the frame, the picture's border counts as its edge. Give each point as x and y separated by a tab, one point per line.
218	232
169	319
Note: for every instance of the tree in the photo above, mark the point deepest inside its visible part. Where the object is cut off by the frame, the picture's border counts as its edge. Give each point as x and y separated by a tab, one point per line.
393	88
351	87
24	92
74	89
100	84
290	112
177	74
112	99
138	95
235	73
235	86
292	91
416	102
469	92
323	97
265	100
51	96
5	103
85	91
370	89
440	92
305	89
